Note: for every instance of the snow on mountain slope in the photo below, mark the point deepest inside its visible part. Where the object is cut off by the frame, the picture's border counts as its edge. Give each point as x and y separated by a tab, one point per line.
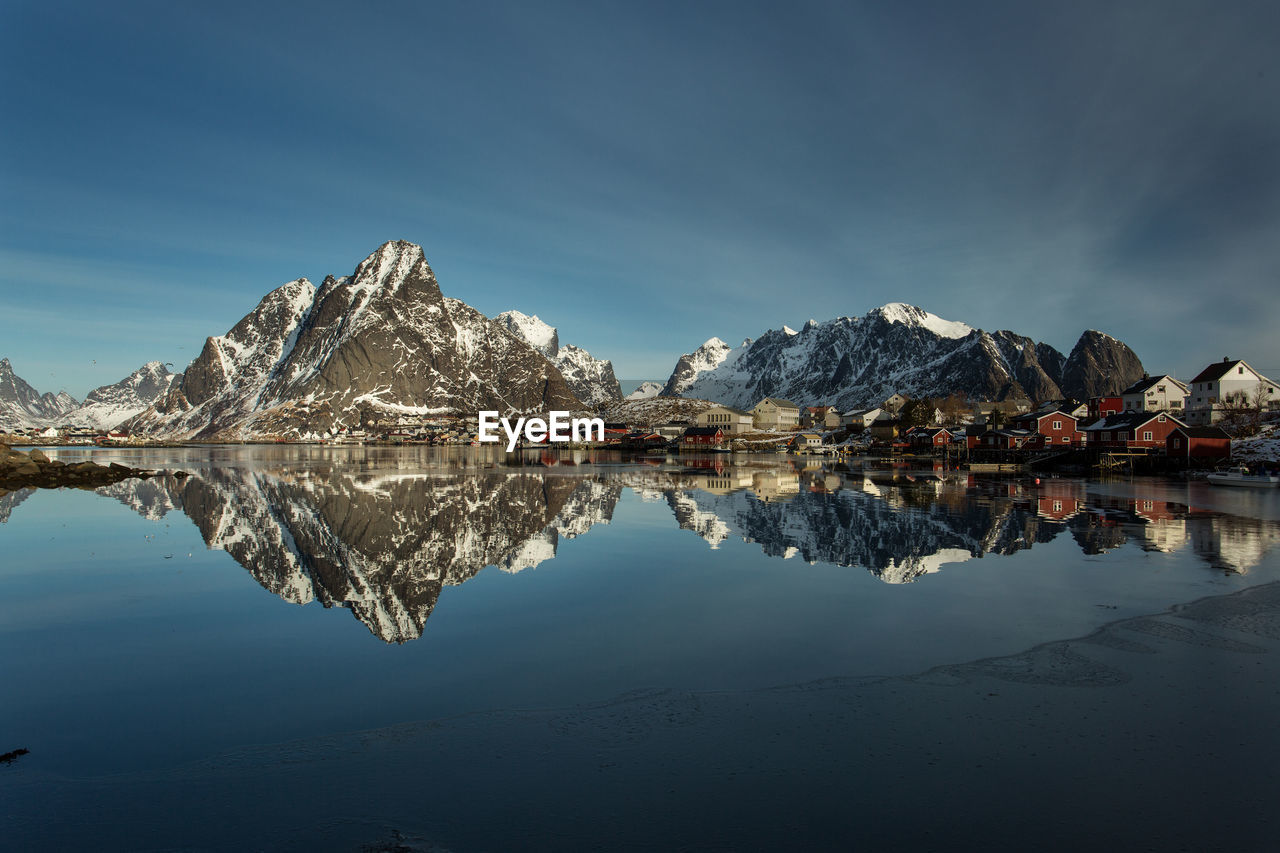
22	406
533	331
858	361
591	379
111	405
645	391
704	359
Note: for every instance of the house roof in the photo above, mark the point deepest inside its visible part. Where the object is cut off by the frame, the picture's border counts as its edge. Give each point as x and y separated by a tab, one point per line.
1203	432
1217	370
729	409
1146	382
779	402
702	430
1129	420
853	413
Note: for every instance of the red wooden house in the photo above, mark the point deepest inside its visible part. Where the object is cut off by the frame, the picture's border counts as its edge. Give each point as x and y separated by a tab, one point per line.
700	438
1051	428
1100	407
1204	442
1132	430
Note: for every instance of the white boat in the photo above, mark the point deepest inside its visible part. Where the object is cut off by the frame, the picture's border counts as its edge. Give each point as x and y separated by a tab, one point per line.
1242	477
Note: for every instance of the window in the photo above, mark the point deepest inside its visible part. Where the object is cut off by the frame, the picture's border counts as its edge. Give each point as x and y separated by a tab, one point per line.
1240	371
1146	435
1057	424
1066	439
1177	443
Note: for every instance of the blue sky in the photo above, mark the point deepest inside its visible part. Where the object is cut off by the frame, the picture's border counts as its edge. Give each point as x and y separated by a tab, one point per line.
643	175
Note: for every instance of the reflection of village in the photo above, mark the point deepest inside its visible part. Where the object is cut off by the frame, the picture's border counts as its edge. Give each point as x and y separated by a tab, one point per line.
383	541
1155	515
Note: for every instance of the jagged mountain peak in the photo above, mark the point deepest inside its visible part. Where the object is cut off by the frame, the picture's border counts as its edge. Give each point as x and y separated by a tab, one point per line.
590	378
528	327
913	315
366	349
691	365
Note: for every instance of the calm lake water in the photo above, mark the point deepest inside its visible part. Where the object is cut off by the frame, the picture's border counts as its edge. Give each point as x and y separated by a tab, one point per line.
357	648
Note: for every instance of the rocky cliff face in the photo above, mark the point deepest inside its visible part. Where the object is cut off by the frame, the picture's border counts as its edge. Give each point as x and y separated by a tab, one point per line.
380	343
858	361
1099	364
22	406
591	379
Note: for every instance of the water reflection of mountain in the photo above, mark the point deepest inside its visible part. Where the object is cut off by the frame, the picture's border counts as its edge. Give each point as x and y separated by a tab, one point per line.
900	528
383	543
9	500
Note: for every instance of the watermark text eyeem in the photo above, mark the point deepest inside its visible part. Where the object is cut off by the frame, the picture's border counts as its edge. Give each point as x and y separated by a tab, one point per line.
558	427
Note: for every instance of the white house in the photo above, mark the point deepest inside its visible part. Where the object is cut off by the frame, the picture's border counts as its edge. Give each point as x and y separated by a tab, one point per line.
1154	394
775	414
860	418
1217	382
730	421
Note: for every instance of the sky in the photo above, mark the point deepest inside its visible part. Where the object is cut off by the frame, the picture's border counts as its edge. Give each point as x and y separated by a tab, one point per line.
643	175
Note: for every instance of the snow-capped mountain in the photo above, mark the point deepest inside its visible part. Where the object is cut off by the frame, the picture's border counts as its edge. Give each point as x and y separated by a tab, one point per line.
590	379
373	346
111	405
22	406
691	365
645	391
858	361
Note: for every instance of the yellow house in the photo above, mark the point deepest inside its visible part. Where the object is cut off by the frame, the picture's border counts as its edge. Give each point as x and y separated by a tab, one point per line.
729	420
774	414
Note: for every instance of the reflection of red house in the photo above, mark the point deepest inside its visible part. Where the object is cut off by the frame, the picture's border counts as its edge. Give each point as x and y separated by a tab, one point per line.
1132	430
1051	428
1205	442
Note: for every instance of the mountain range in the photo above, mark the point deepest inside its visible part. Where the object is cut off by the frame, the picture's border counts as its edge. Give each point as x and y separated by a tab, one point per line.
858	361
384	342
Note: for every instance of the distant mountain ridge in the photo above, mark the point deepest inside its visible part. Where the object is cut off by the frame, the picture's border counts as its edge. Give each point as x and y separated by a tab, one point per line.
22	406
858	361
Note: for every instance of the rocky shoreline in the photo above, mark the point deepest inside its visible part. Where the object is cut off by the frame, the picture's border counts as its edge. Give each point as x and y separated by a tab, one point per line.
20	470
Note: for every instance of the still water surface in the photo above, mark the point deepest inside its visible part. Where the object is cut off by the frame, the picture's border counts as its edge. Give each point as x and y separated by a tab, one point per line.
292	595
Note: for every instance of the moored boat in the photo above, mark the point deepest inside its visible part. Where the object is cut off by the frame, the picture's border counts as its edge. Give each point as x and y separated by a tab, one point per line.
1242	477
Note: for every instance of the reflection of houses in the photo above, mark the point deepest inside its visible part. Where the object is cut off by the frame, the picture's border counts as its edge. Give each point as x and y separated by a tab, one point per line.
1154	394
728	480
1132	430
732	421
1211	390
1058	500
776	485
772	413
1202	443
